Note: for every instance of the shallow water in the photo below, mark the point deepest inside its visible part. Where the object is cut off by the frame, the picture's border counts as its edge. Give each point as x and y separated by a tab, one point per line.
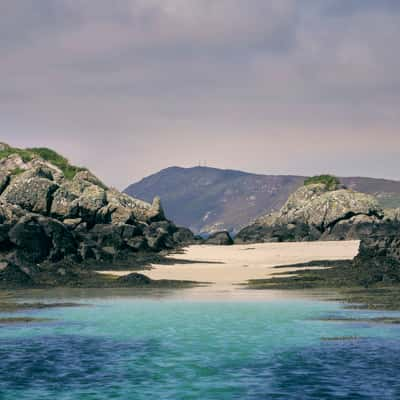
167	347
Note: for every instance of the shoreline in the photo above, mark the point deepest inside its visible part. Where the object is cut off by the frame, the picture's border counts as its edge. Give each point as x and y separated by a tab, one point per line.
228	269
256	272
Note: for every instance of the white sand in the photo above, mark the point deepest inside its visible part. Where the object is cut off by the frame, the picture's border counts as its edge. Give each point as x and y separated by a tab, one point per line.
227	266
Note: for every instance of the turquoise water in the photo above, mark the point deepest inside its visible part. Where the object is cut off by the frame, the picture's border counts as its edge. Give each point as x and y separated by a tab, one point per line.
160	348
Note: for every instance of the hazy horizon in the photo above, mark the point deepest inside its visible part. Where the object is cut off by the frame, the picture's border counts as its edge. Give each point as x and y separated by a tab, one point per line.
130	87
189	166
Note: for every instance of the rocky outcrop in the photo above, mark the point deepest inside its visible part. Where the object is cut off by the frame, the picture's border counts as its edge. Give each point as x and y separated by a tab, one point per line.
47	217
315	213
378	261
383	241
222	238
31	190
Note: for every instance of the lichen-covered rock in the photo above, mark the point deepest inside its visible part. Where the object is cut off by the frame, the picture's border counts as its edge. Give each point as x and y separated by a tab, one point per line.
62	205
72	223
158	235
93	198
314	205
87	176
115	214
313	212
392	215
141	210
10	213
39	164
156	212
31	190
12	162
78	199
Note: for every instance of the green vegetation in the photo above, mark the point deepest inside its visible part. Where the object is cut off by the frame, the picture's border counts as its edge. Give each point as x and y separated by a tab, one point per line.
24	154
17	171
330	181
58	160
49	155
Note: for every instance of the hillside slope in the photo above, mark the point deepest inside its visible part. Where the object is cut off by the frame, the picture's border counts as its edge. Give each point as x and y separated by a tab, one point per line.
209	199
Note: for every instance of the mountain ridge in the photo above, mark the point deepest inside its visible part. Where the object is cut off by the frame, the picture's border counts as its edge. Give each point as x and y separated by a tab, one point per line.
208	199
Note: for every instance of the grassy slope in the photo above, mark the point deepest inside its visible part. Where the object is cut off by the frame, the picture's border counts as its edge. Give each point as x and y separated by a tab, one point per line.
49	155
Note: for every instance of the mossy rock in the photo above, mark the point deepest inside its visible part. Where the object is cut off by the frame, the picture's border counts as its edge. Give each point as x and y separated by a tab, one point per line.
331	182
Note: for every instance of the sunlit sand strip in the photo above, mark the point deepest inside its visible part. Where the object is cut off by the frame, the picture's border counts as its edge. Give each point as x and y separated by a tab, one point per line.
226	267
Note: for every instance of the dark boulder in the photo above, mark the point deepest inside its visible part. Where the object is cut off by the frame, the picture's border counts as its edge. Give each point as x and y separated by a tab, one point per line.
383	241
184	236
4	239
259	233
30	239
63	243
4	180
158	235
222	238
354	228
134	279
13	276
107	235
137	243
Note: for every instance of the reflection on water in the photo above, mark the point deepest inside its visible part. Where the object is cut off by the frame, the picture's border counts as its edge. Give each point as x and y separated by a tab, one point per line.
198	293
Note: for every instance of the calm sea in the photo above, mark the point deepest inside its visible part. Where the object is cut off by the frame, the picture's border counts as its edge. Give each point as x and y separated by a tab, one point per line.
161	347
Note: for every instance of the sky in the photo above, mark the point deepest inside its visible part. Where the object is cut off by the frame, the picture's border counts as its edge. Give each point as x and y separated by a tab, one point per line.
128	87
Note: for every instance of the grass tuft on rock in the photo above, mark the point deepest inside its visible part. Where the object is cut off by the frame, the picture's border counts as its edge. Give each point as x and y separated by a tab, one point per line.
26	155
17	171
58	160
331	182
45	153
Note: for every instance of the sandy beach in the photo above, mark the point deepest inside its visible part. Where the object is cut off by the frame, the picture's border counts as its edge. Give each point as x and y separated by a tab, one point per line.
227	266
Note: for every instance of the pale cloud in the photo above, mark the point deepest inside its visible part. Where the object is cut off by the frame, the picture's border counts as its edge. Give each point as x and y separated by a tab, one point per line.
246	84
